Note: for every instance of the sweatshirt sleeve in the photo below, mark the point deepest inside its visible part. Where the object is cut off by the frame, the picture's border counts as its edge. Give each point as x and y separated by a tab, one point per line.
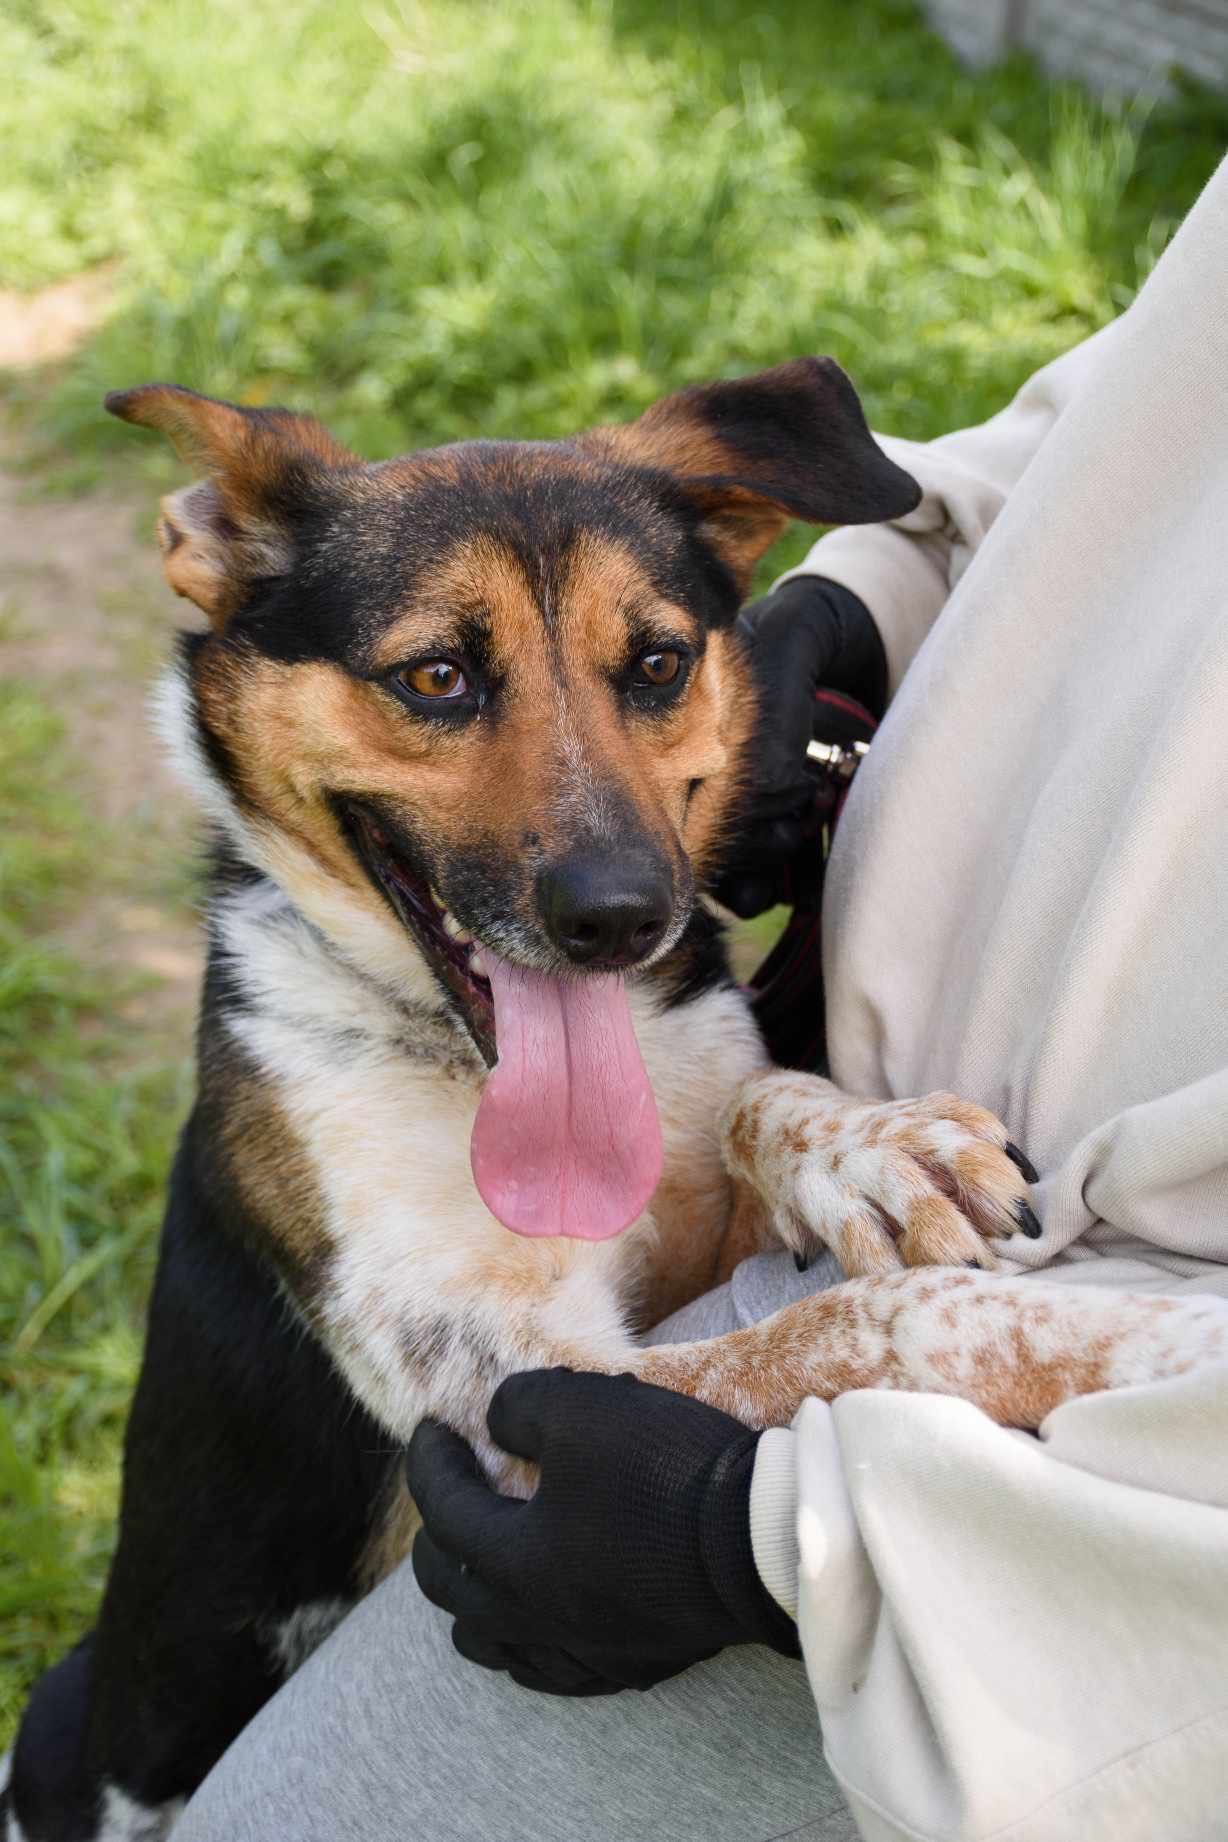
904	571
1011	1637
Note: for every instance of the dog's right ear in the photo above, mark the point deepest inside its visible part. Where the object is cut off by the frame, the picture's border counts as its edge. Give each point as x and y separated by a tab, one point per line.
235	525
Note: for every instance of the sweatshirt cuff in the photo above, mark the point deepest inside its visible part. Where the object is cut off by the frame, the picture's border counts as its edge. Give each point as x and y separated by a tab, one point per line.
773	1516
902	583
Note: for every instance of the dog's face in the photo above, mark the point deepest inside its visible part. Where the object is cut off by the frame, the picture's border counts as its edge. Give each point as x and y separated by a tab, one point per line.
489	693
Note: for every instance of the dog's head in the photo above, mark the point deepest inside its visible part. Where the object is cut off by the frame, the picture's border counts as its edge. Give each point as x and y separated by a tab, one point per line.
489	693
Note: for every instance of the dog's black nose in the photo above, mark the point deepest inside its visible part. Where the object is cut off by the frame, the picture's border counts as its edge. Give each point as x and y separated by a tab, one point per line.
606	909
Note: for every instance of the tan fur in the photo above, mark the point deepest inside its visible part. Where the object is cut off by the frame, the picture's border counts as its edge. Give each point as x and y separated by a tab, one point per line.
268	1161
215	535
301	731
883	1184
742	527
392	1535
1015	1348
478	576
739	523
250	454
749	1231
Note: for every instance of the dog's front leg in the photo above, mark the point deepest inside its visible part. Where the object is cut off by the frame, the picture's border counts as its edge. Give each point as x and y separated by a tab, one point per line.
1016	1348
419	1334
884	1184
252	1485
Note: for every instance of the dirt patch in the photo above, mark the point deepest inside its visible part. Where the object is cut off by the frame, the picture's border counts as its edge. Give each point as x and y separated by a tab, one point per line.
88	618
38	329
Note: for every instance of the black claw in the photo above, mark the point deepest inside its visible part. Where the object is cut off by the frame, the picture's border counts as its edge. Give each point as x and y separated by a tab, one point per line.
1028	1222
801	1262
1027	1169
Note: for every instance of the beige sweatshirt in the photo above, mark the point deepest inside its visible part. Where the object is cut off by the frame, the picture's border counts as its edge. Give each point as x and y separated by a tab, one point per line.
1028	903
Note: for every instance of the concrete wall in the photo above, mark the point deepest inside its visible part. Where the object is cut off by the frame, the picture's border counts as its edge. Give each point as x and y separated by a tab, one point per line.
1126	47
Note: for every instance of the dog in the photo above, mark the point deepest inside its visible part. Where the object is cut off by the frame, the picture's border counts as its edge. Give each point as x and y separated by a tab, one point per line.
477	1092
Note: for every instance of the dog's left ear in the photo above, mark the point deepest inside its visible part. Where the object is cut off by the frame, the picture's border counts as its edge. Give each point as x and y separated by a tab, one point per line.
756	451
237	524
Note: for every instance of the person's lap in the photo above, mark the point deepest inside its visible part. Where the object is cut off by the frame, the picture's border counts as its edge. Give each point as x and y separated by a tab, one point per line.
387	1731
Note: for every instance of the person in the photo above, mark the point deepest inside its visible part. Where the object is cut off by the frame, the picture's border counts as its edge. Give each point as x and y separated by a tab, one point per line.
1004	1636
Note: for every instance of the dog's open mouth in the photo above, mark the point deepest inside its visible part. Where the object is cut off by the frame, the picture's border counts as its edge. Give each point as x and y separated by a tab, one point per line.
450	952
566	1140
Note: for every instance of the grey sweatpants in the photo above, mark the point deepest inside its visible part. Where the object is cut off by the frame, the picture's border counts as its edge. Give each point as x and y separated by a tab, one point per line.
386	1733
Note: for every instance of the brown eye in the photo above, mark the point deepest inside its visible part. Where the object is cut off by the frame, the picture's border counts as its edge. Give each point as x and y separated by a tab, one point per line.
659	668
435	678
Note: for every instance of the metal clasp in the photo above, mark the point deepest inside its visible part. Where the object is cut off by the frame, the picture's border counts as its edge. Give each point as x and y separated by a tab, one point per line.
841	763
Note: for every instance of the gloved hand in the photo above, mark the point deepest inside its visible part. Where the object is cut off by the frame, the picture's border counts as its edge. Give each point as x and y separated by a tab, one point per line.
632	1561
806	633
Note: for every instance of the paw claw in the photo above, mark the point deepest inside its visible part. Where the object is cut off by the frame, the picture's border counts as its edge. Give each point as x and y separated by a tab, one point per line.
883	1184
1028	1223
1026	1168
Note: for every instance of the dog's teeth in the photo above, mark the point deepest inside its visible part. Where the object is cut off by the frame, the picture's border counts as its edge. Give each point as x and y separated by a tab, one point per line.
453	929
477	965
437	898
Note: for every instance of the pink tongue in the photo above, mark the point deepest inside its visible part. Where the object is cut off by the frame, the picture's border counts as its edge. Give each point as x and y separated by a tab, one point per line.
567	1139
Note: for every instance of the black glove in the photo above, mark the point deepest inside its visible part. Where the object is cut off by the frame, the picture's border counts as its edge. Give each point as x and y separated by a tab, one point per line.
808	632
632	1561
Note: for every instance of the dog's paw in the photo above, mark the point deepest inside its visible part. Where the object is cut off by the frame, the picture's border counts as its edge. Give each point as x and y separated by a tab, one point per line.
884	1185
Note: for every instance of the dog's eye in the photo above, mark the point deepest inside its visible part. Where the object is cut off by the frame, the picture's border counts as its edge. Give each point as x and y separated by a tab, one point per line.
657	678
434	678
658	668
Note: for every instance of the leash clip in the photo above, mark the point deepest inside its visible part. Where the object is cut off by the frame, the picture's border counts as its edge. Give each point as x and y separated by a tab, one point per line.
834	759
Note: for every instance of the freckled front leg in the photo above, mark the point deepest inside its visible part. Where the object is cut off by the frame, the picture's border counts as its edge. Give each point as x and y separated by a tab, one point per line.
884	1184
1015	1348
412	1350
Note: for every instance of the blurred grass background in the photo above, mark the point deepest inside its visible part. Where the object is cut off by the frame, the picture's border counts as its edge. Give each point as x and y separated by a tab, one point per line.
430	221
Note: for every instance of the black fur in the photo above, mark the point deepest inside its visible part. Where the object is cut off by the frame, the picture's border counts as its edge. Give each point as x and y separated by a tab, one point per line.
252	1480
365	557
797	435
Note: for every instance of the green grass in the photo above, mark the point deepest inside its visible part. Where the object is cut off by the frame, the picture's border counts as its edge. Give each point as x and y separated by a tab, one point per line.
84	1141
430	221
507	217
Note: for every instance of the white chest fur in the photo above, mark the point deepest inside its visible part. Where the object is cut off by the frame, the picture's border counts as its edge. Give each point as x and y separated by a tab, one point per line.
424	1287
